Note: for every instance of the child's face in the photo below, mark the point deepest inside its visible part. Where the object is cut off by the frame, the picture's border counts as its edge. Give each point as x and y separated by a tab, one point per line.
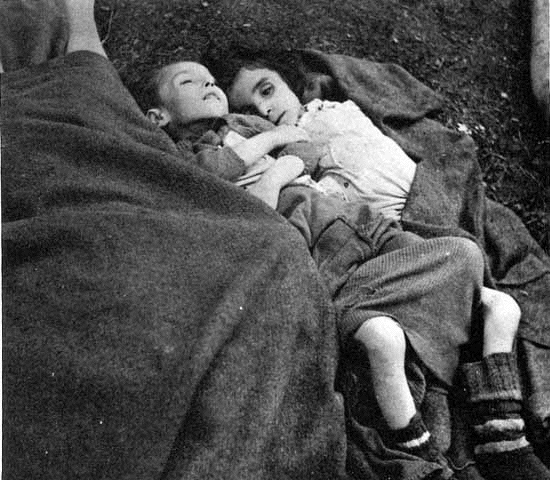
188	93
264	91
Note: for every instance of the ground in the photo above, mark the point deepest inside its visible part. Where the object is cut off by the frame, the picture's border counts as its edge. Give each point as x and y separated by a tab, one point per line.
475	53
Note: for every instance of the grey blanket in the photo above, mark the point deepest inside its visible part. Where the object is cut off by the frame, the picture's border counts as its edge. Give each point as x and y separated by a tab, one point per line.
158	322
448	197
150	310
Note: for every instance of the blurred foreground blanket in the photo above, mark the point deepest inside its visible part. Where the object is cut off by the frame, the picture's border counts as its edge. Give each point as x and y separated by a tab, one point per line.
158	322
448	197
31	31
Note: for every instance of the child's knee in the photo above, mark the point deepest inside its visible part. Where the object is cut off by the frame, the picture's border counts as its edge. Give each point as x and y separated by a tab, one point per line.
381	336
469	253
501	311
464	257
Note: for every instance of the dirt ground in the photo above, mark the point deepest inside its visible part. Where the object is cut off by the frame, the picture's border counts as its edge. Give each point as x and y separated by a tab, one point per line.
473	52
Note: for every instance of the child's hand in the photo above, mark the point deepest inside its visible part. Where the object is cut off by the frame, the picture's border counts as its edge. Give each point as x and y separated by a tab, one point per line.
252	149
284	170
290	134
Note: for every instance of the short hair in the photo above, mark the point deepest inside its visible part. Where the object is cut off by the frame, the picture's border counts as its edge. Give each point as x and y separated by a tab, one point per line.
145	89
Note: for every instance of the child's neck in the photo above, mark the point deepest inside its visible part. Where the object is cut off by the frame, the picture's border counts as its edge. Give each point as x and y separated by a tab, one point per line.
180	131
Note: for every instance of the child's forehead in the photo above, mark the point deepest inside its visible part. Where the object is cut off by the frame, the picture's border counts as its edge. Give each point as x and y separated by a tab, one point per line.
249	79
184	67
258	70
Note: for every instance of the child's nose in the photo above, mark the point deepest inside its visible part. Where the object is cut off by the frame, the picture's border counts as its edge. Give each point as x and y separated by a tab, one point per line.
264	109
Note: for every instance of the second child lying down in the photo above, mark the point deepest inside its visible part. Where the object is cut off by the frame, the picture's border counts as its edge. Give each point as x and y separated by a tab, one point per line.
395	290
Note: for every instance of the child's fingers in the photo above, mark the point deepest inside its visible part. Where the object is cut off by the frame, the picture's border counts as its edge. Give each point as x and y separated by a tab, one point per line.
292	164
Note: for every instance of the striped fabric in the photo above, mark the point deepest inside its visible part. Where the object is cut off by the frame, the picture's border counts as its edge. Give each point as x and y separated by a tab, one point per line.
495	397
415	439
501	448
500	435
415	442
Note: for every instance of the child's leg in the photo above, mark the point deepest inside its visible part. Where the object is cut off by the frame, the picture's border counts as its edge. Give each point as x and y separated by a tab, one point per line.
83	34
495	398
501	315
384	343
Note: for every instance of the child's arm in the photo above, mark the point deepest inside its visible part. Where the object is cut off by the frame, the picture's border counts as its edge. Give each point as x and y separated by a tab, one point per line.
209	154
231	161
252	149
283	171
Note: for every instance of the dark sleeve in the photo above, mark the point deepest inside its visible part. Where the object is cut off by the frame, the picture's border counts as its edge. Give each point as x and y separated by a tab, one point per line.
209	154
247	125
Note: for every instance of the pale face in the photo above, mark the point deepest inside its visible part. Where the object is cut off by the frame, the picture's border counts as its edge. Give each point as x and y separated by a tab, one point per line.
189	93
265	92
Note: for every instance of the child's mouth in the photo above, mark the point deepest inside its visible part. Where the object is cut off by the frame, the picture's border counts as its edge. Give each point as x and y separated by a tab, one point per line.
279	119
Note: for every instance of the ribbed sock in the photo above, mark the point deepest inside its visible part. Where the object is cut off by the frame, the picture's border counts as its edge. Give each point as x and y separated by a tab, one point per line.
494	396
415	439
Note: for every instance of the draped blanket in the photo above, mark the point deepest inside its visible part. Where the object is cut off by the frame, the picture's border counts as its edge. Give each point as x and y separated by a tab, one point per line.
158	322
448	197
448	191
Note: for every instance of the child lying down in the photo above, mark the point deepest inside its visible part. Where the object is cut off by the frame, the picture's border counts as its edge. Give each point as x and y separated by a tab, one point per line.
394	289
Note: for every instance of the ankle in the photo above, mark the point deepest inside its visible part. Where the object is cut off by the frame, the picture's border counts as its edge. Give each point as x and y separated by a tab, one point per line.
414	439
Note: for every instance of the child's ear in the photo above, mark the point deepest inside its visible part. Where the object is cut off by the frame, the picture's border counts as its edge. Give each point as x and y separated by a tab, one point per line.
158	117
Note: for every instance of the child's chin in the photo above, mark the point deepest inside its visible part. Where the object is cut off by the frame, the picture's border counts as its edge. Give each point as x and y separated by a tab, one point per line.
288	120
218	112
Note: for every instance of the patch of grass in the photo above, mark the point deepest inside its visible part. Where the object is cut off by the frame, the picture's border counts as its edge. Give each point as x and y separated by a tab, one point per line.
474	53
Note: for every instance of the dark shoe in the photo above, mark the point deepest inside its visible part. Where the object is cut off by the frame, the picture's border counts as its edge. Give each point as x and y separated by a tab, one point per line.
520	464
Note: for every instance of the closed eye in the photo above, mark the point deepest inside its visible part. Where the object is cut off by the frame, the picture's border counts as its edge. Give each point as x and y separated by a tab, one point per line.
185	82
266	90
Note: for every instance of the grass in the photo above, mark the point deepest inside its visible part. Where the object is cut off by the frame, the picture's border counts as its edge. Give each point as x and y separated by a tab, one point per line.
473	52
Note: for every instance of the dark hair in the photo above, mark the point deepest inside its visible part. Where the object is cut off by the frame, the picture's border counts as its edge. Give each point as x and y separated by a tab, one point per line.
146	91
225	64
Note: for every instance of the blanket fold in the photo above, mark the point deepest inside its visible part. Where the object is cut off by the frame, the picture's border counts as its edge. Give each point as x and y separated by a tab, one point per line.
448	188
448	197
158	322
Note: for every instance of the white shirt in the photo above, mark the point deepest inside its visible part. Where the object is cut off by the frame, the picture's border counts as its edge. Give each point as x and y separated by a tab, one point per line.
359	161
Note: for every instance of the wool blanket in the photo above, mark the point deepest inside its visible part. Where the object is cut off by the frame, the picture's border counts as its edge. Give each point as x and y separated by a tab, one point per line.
158	322
448	197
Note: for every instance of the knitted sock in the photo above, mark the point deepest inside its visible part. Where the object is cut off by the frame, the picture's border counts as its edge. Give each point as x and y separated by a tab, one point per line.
415	439
494	397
